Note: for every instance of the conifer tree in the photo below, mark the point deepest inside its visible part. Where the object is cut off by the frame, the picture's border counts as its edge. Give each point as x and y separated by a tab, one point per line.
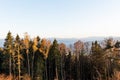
54	62
26	46
63	50
44	48
8	46
18	56
35	48
39	66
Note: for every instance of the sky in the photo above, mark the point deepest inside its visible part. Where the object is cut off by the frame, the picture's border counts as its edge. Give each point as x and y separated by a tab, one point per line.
60	18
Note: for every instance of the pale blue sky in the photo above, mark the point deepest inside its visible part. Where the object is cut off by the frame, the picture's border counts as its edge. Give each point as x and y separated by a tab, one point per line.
60	18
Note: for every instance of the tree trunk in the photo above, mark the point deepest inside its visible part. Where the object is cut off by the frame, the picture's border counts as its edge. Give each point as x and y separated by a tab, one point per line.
28	63
46	69
13	68
10	67
32	65
19	68
56	78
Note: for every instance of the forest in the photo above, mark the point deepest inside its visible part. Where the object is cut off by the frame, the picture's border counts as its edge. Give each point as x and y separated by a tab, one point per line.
41	59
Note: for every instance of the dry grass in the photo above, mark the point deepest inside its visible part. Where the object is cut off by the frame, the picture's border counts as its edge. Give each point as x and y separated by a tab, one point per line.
5	77
116	76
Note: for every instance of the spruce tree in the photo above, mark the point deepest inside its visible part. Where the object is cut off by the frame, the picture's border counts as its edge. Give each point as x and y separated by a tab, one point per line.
34	48
39	66
8	46
18	56
26	46
54	62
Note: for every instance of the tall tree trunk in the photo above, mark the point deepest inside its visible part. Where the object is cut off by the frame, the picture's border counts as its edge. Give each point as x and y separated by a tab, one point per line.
56	78
19	64
28	63
19	70
56	71
70	69
32	68
13	68
61	69
10	71
46	69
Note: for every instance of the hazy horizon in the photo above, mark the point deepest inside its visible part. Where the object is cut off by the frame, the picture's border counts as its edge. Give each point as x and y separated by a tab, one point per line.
32	37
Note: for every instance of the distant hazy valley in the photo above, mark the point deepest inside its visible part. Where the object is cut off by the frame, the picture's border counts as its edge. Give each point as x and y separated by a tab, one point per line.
69	41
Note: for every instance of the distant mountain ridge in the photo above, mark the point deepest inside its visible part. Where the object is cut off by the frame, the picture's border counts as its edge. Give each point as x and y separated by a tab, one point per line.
69	41
88	39
1	42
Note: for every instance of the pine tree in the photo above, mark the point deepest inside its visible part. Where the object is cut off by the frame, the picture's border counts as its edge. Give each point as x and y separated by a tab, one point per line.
8	46
18	56
54	62
68	67
39	65
35	48
98	61
63	51
26	44
44	48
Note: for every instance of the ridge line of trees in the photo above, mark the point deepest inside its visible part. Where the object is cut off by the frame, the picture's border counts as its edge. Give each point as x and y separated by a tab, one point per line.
39	59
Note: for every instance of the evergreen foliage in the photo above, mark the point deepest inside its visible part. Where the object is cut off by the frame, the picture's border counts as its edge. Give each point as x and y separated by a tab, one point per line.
39	59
